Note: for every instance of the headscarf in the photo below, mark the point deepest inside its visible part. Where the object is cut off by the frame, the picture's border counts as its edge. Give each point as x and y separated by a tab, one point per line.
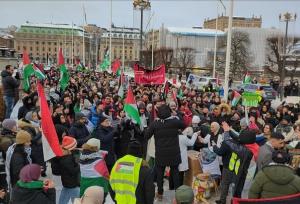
30	172
93	195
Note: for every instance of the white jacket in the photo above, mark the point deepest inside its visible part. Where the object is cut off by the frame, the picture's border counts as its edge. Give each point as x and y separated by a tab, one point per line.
184	142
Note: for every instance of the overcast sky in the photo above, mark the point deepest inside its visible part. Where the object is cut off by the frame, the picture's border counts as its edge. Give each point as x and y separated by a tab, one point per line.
178	13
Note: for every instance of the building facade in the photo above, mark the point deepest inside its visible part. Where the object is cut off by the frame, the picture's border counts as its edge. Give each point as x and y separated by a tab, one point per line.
42	42
253	22
201	40
130	37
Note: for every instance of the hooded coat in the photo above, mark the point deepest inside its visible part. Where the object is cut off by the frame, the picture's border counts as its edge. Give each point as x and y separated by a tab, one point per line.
9	84
165	131
273	181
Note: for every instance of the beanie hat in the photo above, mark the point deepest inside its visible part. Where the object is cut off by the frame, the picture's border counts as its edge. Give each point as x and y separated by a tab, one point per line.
287	118
69	143
135	148
30	172
184	194
102	118
196	119
281	157
94	143
23	137
247	137
78	116
9	124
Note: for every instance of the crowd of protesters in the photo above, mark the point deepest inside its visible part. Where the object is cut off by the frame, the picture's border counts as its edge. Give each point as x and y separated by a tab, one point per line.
98	139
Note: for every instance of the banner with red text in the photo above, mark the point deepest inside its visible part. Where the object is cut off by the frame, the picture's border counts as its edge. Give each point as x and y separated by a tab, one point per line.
143	76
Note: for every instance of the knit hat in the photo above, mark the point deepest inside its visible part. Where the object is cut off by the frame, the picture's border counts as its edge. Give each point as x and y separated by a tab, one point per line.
30	172
281	157
23	137
135	148
102	118
184	194
196	119
79	116
287	118
247	137
94	143
9	124
69	143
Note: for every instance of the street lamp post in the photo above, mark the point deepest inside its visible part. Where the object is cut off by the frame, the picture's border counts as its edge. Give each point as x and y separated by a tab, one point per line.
286	17
141	5
228	52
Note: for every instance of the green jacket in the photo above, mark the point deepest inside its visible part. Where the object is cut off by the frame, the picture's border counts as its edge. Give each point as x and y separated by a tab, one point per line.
275	180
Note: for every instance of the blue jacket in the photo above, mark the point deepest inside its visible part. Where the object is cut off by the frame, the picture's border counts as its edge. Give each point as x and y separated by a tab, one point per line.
94	117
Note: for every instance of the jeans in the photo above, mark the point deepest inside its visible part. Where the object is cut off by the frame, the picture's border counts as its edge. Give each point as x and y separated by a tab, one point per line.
9	105
174	174
67	194
227	179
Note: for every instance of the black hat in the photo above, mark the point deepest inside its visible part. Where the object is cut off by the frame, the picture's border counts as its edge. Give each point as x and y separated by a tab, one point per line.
277	135
281	157
102	118
79	115
287	118
247	137
135	148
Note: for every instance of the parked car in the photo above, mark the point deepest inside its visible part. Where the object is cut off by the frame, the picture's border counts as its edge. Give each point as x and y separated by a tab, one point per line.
201	81
269	92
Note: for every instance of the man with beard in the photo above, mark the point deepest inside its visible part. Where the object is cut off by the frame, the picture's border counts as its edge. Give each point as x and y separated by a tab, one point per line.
276	141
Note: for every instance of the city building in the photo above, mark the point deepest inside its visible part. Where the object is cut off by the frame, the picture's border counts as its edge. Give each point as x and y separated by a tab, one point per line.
253	22
130	36
201	40
42	41
7	51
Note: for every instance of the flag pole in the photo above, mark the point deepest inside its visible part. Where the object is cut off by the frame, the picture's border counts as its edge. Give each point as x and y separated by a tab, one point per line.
152	49
110	26
72	47
83	38
123	51
216	40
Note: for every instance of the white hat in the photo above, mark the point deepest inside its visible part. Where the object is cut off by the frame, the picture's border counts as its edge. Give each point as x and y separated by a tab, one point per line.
188	131
195	119
94	142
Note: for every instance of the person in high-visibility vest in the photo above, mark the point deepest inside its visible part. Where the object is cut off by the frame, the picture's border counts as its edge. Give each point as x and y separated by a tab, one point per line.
237	153
131	180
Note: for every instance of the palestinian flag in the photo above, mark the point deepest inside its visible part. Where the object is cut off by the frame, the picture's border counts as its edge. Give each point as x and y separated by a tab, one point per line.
37	72
106	61
121	86
236	98
130	107
116	67
79	66
28	71
64	73
51	147
179	93
247	79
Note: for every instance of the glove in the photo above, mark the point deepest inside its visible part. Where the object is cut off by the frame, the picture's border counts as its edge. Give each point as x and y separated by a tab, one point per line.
17	77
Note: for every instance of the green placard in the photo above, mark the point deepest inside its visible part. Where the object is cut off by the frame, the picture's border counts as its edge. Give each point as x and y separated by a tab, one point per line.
250	99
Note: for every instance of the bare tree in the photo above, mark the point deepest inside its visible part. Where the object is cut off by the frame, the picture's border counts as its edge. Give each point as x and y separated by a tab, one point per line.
186	58
164	56
274	57
240	55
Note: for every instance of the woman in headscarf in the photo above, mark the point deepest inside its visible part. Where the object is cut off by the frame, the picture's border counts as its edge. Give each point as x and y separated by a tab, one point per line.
30	190
92	195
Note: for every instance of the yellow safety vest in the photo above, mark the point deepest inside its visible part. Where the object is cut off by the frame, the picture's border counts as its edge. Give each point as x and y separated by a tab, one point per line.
124	179
234	163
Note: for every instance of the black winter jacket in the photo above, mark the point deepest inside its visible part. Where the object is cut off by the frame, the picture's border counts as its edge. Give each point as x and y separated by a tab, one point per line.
165	131
9	84
70	171
80	133
33	196
106	136
17	162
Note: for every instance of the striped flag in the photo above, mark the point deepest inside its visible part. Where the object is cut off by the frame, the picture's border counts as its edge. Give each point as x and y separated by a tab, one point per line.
130	107
236	98
247	79
27	72
38	73
51	147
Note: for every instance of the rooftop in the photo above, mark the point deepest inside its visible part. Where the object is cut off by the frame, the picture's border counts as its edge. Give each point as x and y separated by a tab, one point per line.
195	31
